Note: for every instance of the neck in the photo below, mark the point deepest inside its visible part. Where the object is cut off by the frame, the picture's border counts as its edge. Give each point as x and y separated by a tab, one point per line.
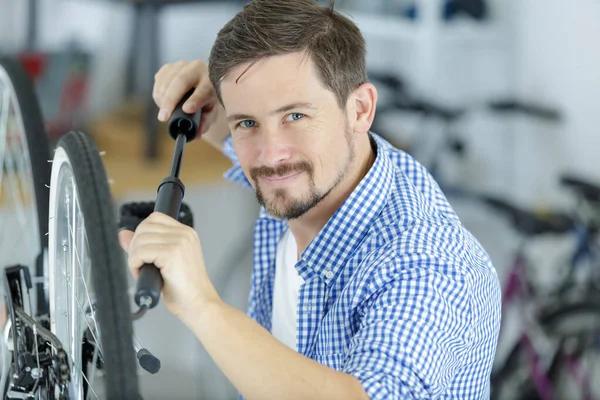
306	228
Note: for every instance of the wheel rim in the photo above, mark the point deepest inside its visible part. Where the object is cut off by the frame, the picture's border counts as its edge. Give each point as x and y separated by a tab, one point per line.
72	311
18	205
17	195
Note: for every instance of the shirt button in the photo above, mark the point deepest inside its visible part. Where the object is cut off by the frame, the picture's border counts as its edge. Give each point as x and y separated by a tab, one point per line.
328	274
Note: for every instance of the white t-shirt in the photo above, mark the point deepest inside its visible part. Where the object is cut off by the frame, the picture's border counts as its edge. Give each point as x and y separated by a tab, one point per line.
285	291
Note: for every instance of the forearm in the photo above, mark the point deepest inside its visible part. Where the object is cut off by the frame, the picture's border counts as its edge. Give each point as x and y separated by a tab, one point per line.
261	367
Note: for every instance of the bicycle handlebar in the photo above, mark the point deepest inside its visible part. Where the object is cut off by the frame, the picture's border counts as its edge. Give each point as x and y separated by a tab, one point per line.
406	101
184	123
529	109
183	127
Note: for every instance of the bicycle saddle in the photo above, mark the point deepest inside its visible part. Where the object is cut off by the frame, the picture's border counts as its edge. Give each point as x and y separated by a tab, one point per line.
133	213
588	190
531	223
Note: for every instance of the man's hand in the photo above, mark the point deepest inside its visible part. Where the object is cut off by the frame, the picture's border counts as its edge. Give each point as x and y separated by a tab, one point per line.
174	80
175	249
246	353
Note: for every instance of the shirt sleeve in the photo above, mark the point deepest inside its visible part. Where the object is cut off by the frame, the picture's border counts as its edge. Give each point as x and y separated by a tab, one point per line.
235	173
413	337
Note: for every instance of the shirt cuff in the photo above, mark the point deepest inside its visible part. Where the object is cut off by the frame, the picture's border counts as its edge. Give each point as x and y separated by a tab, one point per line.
234	174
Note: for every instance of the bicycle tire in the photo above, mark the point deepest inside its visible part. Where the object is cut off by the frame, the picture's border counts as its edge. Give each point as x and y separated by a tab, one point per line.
552	320
38	148
106	259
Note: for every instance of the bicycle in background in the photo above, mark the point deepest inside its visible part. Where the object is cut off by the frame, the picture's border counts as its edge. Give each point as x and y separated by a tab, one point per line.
554	352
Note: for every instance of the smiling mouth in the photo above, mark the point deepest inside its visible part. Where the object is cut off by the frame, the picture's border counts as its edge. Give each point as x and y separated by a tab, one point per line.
280	179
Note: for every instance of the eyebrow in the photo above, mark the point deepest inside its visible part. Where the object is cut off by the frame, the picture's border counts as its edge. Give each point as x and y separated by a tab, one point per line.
238	117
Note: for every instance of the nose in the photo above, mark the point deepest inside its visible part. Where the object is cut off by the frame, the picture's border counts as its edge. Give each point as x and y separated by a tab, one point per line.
273	148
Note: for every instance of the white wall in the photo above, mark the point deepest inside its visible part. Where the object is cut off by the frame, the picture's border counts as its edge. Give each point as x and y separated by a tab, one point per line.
457	64
188	32
559	61
548	52
104	29
12	15
544	51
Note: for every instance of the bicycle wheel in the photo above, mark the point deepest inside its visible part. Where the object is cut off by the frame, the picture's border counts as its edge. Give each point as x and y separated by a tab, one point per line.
24	174
569	369
89	304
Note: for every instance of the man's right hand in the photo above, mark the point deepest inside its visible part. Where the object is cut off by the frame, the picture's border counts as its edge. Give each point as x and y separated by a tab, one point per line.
174	80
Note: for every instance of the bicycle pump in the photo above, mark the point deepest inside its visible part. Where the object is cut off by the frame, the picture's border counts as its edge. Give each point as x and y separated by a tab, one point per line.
183	128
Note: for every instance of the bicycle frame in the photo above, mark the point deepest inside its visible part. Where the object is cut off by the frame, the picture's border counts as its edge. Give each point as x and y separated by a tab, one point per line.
518	289
585	251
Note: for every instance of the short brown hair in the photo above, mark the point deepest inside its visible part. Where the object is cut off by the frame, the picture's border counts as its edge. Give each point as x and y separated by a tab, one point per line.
267	28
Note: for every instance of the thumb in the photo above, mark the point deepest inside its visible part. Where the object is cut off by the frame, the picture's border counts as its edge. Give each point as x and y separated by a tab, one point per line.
125	237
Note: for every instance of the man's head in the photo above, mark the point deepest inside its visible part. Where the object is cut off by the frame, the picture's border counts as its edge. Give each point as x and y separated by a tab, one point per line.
291	75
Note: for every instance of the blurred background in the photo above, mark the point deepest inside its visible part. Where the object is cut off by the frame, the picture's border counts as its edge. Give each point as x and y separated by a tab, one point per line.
498	98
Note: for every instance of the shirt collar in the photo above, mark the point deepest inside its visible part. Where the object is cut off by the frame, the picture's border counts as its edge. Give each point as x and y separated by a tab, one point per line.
329	251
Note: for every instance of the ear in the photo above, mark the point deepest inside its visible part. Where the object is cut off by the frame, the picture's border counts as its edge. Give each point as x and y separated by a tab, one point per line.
362	105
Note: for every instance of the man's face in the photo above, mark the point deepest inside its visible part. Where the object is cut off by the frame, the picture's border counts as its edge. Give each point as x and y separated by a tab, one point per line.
292	139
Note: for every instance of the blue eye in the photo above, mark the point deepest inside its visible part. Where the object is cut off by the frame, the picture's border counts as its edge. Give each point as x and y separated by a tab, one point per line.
295	116
248	123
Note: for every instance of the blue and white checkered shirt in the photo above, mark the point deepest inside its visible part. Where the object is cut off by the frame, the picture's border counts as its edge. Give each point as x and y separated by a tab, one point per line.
396	291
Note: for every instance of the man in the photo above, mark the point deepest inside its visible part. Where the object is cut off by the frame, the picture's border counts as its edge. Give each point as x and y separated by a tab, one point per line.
365	284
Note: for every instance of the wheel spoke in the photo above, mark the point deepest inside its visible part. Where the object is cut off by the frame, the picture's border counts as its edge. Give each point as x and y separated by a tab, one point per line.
27	189
73	326
78	249
3	128
79	264
97	343
15	191
74	286
90	388
84	245
81	308
15	181
93	374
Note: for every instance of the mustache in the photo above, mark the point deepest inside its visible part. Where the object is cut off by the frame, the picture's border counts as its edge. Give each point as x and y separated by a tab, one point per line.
280	170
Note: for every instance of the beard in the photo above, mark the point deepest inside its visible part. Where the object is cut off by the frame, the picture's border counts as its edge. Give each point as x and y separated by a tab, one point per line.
282	204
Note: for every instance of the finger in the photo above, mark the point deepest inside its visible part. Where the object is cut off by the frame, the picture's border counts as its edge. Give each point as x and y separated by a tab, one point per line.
125	237
190	76
149	253
203	97
160	219
134	272
207	119
156	223
152	234
163	80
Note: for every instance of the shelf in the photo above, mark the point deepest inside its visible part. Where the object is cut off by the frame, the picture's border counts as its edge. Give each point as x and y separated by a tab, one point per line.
459	32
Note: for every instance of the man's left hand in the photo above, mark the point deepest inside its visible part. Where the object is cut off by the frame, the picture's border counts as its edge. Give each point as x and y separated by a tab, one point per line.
176	251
